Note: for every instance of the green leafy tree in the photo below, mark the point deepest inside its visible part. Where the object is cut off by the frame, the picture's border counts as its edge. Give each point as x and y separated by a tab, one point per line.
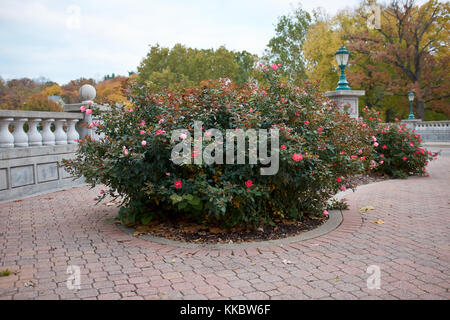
182	66
285	47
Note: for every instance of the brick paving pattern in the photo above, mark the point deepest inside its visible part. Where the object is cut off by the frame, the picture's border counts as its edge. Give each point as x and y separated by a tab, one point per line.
41	236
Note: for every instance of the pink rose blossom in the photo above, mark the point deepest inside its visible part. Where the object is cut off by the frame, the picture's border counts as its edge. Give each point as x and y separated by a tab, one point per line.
82	108
143	143
88	111
325	212
178	184
297	157
249	183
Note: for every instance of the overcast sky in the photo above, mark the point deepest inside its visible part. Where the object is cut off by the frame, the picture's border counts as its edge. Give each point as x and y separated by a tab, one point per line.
64	40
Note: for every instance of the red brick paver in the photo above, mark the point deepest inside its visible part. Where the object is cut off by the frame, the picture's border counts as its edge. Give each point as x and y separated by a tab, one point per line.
41	236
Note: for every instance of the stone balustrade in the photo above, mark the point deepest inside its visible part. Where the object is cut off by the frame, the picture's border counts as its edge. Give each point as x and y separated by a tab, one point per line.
430	131
39	131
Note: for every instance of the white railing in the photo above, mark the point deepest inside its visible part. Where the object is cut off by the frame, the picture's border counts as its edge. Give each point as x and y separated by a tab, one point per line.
433	131
39	131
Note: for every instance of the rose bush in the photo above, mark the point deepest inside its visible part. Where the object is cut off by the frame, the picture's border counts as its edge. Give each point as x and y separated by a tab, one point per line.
319	148
397	151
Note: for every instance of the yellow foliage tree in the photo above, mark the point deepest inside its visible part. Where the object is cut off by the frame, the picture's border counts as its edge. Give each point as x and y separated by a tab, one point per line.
112	90
40	102
53	90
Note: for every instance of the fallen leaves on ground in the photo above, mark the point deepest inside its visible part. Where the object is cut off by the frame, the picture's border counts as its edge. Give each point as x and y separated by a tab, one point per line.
111	203
215	230
29	283
285	261
378	221
366	208
192	228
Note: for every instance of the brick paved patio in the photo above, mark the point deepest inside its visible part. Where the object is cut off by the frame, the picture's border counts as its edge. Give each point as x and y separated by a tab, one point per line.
41	236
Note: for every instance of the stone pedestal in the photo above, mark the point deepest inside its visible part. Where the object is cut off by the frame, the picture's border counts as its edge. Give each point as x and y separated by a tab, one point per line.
346	98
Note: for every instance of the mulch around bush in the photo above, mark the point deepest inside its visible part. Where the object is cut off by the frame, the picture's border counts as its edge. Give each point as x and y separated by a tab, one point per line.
185	231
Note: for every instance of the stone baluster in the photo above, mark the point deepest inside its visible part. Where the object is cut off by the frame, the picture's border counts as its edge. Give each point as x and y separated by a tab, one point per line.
20	136
72	133
60	134
34	136
6	138
48	137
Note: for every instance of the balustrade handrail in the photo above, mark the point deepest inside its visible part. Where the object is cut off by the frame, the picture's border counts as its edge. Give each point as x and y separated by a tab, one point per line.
39	114
40	131
438	122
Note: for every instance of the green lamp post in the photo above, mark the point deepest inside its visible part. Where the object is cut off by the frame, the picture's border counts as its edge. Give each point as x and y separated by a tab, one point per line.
411	99
342	59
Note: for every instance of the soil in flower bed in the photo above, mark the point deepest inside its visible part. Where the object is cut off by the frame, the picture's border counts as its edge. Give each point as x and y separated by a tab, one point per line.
185	231
361	179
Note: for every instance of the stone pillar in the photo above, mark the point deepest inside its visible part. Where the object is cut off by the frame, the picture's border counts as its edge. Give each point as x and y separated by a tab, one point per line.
34	136
72	133
48	138
20	137
87	94
346	98
6	138
60	134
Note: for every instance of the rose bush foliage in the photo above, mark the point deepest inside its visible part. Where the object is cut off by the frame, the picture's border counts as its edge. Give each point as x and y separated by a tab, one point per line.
320	147
397	151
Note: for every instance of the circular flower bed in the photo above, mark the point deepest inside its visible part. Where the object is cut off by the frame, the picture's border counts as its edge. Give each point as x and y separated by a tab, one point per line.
317	148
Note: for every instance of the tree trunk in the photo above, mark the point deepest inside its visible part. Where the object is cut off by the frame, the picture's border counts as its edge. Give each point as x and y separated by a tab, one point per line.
420	110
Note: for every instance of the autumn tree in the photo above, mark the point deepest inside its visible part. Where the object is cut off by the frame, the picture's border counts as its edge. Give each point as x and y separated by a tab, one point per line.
112	90
52	90
15	91
40	102
411	47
